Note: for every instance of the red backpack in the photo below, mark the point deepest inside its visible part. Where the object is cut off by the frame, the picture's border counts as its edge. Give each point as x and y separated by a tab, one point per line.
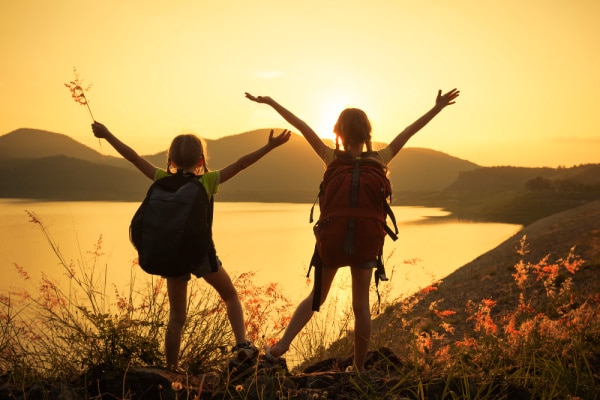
351	229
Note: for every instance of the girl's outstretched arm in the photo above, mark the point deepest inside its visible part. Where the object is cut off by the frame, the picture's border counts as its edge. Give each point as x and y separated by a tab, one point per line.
102	132
441	101
245	161
315	141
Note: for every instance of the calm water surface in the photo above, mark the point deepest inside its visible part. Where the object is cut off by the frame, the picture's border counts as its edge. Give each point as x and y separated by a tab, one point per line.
273	240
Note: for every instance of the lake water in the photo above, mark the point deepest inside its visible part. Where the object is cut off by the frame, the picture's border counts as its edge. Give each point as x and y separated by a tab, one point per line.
274	240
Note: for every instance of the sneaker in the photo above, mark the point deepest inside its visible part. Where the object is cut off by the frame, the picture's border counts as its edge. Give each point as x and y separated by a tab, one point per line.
270	362
176	370
244	351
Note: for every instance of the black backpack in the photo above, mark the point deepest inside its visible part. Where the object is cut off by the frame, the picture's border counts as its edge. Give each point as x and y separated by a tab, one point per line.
172	228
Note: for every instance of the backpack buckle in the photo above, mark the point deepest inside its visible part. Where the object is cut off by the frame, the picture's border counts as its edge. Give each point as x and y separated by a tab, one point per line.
382	276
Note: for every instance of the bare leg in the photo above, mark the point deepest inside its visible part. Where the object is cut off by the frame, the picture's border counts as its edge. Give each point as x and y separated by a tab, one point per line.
302	314
177	292
361	280
221	281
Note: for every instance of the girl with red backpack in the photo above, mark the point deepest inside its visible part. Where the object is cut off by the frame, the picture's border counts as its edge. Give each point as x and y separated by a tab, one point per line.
353	129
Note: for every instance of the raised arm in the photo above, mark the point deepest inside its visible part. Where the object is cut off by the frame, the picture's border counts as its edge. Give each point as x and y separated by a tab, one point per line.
441	101
315	141
245	161
101	131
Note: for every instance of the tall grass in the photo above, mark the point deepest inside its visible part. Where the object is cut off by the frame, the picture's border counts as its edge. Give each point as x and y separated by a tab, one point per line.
545	347
77	323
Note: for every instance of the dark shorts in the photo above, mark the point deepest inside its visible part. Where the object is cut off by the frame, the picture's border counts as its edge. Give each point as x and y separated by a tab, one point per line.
201	270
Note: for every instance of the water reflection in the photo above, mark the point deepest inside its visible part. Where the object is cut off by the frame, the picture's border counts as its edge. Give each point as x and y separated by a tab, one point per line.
275	240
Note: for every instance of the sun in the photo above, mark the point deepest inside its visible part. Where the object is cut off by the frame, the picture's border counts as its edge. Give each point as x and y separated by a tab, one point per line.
326	114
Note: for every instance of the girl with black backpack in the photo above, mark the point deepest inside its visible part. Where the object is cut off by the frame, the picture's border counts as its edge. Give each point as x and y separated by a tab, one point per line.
188	153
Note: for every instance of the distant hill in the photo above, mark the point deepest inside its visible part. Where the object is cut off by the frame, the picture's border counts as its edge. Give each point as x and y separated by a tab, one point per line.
419	169
65	178
290	173
34	143
499	179
520	195
39	164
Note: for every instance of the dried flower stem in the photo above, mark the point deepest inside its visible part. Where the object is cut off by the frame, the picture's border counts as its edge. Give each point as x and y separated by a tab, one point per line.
78	91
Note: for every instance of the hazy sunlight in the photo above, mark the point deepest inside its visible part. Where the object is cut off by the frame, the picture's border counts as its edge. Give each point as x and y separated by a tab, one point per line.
527	71
327	110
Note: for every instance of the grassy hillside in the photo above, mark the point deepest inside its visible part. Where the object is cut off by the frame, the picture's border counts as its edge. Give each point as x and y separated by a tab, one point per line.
491	274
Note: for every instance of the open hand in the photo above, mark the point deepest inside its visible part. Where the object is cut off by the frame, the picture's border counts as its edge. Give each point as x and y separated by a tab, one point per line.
447	98
258	99
280	139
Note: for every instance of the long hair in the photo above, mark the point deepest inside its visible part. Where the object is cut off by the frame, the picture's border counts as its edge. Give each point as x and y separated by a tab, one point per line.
353	128
186	151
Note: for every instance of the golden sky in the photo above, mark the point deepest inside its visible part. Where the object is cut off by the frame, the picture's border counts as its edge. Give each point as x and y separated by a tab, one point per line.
528	70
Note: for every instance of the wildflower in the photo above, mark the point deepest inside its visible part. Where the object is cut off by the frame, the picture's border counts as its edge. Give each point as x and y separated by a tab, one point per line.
22	272
523	307
78	91
443	355
551	271
489	326
308	281
160	283
424	342
523	248
528	327
572	262
481	316
97	251
51	295
489	303
467	342
511	328
445	313
33	217
412	261
539	268
522	273
122	303
447	327
428	289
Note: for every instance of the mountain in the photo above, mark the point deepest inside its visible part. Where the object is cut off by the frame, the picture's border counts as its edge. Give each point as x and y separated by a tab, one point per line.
45	165
65	178
34	143
419	169
39	164
499	179
520	195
